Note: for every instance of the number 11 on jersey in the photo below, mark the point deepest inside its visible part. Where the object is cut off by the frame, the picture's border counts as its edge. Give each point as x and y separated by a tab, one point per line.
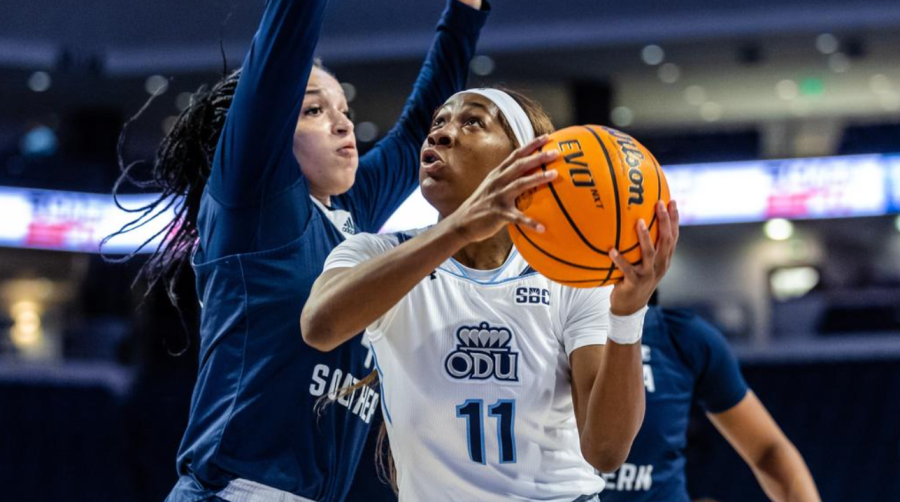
504	411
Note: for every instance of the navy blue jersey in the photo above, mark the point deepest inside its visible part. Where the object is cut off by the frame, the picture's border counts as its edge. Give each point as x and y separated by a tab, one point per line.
263	243
685	360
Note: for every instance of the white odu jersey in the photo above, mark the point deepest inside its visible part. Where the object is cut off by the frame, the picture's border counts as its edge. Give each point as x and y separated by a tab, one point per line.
476	383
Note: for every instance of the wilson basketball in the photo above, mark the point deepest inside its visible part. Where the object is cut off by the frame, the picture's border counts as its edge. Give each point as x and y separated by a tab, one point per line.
607	181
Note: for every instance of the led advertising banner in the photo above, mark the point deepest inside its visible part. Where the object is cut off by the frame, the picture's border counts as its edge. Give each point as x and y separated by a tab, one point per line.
832	187
736	192
73	221
733	192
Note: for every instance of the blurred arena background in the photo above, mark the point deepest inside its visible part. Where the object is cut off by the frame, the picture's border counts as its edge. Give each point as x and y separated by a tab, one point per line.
779	123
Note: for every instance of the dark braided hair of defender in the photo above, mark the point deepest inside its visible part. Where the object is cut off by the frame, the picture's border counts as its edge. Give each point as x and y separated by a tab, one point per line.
179	173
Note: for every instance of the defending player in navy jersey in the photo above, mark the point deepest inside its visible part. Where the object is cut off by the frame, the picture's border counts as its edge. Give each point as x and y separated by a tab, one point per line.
285	186
686	360
497	384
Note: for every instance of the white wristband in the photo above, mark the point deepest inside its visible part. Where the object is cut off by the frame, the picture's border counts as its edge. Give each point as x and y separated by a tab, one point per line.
627	329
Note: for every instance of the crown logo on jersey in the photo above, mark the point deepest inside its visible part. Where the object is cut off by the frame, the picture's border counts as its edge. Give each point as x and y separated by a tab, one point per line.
483	337
483	352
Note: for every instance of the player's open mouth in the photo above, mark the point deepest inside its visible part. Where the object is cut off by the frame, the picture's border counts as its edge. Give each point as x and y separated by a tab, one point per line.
430	158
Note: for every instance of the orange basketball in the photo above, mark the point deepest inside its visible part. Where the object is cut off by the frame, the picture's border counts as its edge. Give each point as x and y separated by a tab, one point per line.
607	181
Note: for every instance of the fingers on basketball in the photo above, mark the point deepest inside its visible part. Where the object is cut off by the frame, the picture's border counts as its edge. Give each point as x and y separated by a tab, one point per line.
606	183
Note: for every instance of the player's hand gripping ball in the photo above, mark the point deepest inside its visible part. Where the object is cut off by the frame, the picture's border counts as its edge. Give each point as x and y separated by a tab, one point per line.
607	181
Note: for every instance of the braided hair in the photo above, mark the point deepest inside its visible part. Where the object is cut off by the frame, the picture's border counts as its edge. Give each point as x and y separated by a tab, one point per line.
178	174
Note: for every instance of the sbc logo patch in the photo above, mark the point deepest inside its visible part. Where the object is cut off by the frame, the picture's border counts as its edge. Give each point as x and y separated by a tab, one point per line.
483	353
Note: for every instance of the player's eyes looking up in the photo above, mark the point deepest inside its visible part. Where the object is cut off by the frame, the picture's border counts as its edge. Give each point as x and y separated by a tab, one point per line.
474	121
467	120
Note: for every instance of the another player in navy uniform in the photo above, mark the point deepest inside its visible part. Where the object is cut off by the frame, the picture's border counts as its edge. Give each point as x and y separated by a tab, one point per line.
260	230
687	360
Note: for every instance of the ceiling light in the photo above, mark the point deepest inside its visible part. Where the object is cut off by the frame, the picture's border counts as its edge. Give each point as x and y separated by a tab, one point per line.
156	85
669	73
39	81
778	229
366	131
482	65
827	43
622	116
653	55
793	282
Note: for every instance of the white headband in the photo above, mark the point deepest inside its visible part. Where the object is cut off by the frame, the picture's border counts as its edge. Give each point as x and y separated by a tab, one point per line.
512	111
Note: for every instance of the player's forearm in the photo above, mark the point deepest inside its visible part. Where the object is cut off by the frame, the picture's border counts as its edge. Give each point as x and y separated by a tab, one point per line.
443	73
263	114
343	305
784	476
615	409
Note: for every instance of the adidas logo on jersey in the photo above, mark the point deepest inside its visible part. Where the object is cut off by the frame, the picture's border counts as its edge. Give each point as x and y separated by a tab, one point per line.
349	228
483	352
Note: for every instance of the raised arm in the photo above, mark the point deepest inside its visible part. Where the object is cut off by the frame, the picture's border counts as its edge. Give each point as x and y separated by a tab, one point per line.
390	171
607	382
254	159
775	461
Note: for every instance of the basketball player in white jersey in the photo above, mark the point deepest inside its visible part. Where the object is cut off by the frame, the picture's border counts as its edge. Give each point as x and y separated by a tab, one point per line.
497	384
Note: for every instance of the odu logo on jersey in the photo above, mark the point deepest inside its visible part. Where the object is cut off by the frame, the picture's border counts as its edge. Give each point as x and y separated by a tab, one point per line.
483	352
